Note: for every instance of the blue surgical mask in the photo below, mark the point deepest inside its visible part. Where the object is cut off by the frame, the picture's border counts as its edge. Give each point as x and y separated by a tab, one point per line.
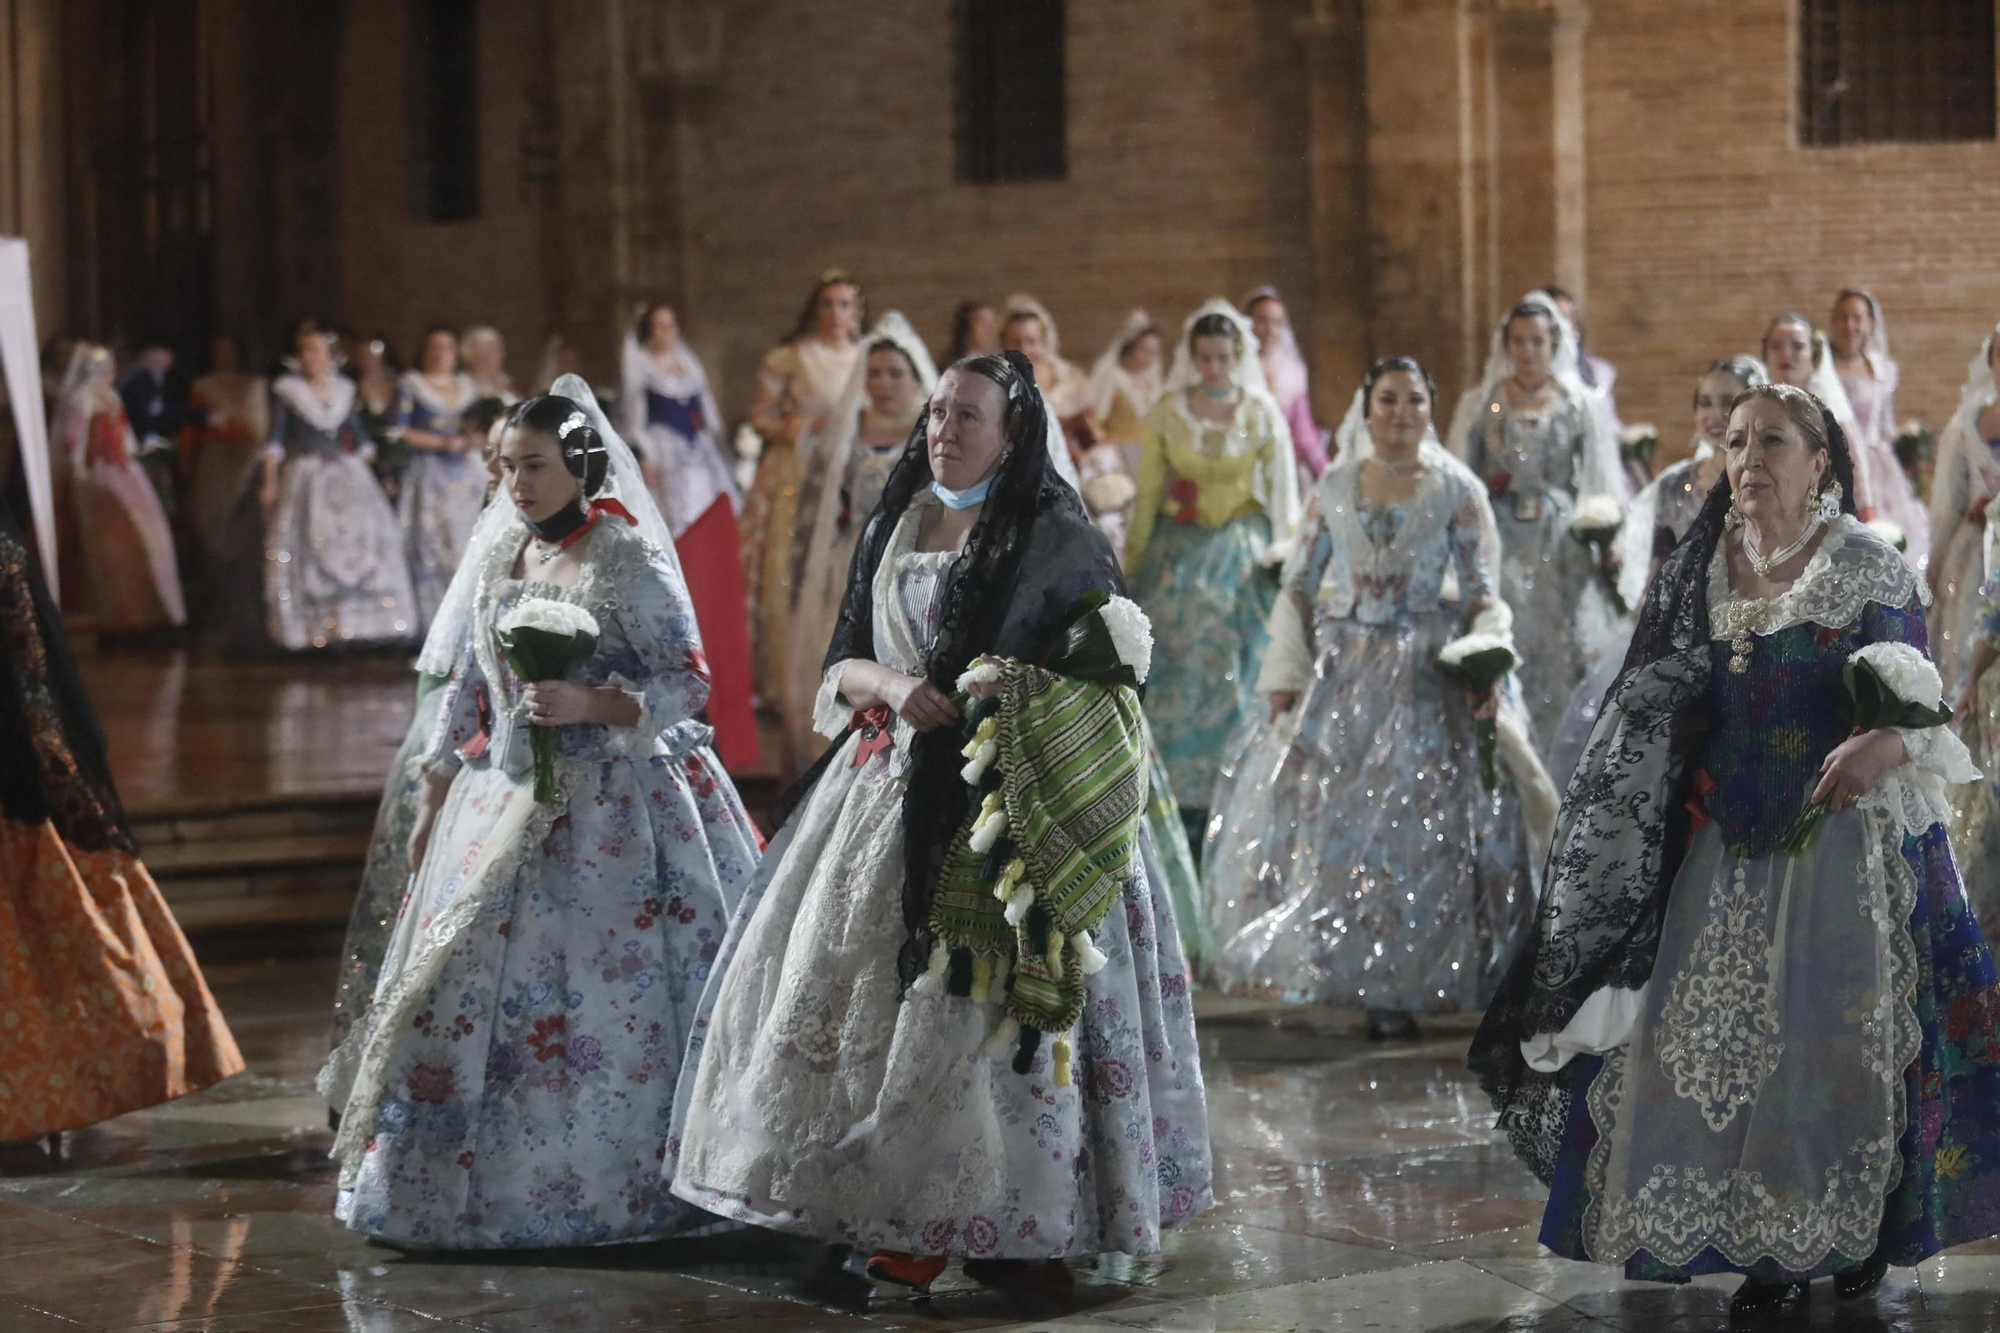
964	499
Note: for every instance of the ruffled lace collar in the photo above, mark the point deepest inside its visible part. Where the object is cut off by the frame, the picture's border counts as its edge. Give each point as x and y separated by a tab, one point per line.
1852	568
326	414
421	389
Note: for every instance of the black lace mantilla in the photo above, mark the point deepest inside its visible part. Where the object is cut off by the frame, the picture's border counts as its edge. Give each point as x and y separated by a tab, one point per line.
52	764
1011	592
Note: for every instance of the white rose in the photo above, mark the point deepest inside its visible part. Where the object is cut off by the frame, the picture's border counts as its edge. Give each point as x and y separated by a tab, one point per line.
1905	670
550	616
1131	634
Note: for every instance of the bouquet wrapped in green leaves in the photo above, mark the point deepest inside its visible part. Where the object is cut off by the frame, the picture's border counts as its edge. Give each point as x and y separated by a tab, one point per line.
1883	685
543	639
1479	662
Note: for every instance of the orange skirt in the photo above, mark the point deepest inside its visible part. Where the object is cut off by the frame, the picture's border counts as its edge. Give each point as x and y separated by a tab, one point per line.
102	1009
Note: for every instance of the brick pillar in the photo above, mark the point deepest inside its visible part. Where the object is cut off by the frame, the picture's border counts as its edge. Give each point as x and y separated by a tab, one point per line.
1475	146
1340	345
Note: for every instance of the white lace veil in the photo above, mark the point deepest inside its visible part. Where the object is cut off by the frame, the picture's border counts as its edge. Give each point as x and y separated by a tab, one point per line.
833	447
1249	371
1291	380
1876	348
1960	451
1602	471
501	521
1022	303
1358	444
1108	375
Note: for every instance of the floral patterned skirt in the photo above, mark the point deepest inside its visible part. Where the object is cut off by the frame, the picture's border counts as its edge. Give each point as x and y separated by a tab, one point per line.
1208	596
830	1104
512	1081
440	501
101	1004
1943	1177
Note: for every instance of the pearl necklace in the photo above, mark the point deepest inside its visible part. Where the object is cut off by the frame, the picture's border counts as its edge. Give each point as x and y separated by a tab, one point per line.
1764	564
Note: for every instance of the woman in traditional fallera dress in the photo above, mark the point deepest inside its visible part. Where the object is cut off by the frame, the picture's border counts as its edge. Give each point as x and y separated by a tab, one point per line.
1356	855
443	485
229	420
483	354
1542	441
1740	1041
1963	486
1858	338
103	1007
1285	375
1125	382
331	564
674	424
864	1083
1659	517
130	579
511	1082
1027	327
1218	502
847	465
797	387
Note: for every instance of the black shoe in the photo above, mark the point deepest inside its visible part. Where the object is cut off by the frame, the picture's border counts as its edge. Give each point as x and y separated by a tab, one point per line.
1860	1281
1757	1297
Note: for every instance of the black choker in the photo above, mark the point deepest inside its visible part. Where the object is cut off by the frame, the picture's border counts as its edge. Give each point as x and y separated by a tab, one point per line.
561	523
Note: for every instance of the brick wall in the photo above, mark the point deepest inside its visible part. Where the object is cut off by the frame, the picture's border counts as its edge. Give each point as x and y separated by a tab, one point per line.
828	141
1705	220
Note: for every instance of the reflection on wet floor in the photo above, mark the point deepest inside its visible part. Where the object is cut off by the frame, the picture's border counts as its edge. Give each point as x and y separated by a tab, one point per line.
1359	1188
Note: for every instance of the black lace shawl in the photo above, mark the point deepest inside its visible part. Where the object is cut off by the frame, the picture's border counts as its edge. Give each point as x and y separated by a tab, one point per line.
1011	592
52	764
1620	838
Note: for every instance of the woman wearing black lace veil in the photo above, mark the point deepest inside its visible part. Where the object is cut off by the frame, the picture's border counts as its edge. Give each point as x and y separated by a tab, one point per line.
885	1061
1732	1045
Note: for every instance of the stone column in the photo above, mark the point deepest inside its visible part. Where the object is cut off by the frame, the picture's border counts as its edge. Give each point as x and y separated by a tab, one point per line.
1339	239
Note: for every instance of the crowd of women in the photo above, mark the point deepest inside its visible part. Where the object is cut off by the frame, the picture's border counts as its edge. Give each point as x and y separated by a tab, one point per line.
1641	748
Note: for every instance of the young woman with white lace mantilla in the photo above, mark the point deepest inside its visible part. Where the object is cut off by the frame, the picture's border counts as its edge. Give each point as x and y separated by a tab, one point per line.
1217	509
1756	1029
1966	479
892	1057
1542	442
1286	376
1657	520
673	423
1858	343
1357	855
511	1082
443	484
1125	382
846	467
798	386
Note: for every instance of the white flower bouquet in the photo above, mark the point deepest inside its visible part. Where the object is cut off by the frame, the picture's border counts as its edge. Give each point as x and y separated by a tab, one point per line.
1885	685
1479	662
544	639
1596	523
1638	443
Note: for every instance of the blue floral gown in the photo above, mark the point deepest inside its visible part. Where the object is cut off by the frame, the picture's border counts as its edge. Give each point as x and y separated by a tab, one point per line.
512	1081
1356	856
442	493
1812	1076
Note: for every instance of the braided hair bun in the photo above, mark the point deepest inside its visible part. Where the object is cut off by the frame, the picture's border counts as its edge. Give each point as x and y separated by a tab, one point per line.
583	452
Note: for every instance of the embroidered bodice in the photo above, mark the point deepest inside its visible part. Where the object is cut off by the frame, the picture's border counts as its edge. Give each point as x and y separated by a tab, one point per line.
303	422
1530	453
1778	717
648	647
919	578
1209	473
867	473
1382	563
420	405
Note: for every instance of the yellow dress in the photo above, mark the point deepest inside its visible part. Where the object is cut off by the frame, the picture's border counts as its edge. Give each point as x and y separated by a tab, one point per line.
1217	503
804	377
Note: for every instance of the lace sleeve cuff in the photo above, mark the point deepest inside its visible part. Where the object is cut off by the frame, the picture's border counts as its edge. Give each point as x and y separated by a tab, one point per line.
1914	793
830	711
641	739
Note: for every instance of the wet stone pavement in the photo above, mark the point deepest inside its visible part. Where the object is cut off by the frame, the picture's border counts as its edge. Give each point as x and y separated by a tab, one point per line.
1359	1188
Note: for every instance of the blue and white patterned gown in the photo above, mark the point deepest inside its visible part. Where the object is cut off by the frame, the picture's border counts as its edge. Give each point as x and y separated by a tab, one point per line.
512	1082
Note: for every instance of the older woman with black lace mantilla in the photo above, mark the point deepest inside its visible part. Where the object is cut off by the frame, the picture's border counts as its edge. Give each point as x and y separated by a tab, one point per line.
1755	1030
931	1034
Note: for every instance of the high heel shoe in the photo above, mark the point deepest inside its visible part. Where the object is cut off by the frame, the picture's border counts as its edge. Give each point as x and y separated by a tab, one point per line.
1757	1297
915	1271
1860	1281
